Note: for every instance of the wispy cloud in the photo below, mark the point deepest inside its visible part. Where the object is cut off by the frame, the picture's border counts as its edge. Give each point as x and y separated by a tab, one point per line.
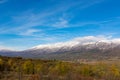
103	23
91	3
3	1
51	17
61	23
29	32
30	19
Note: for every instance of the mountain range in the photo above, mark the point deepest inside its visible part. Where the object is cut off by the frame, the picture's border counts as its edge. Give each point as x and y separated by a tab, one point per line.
80	48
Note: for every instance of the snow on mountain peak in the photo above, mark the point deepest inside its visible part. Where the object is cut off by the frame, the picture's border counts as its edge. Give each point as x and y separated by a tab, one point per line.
80	41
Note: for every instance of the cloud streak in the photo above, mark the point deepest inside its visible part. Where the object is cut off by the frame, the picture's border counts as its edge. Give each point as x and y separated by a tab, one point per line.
61	23
29	32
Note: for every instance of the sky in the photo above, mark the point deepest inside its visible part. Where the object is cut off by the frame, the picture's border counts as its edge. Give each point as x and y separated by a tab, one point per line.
28	23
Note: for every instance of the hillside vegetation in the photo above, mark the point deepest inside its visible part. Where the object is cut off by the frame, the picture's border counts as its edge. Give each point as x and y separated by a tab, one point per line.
17	68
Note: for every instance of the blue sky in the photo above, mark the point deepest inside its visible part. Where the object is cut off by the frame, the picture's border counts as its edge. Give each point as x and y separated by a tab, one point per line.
27	23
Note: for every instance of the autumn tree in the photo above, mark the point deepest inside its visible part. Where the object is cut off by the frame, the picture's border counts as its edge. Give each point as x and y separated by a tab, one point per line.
28	67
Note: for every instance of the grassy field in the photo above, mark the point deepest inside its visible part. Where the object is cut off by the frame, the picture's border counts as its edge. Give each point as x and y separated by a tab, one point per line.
16	68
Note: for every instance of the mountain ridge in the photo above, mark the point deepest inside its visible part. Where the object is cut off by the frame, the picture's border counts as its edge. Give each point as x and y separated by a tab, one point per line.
79	48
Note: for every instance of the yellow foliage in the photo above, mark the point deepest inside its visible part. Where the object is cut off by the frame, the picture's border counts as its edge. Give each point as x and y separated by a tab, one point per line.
28	67
115	70
1	61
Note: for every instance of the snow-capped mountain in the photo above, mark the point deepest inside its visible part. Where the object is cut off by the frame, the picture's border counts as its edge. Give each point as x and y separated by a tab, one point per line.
87	42
78	48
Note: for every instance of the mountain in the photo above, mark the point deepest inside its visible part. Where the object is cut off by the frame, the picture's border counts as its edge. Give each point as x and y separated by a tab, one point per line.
6	52
96	50
79	48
